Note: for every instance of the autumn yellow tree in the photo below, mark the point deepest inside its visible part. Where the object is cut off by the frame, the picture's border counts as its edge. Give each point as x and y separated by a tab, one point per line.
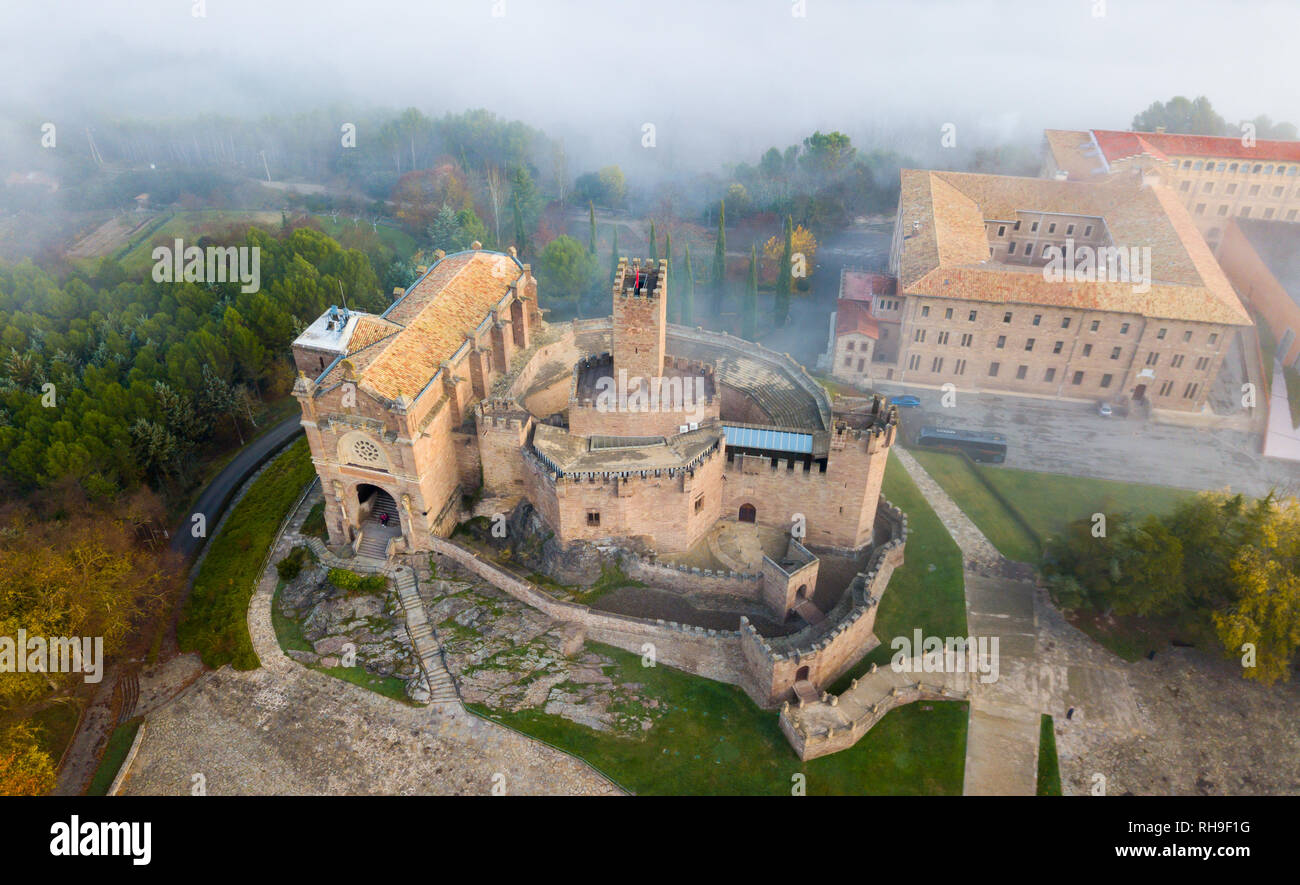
25	769
1262	626
804	244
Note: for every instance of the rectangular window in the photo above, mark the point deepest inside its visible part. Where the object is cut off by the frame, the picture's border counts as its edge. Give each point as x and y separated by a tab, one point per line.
1105	380
967	339
943	337
861	364
972	316
960	368
848	361
1011	247
1153	358
1049	375
1123	329
1002	340
1177	361
1051	228
1202	363
1077	379
919	335
1056	348
1166	387
1087	231
1038	318
1160	336
914	361
593	517
1190	390
849	346
1214	336
925	310
1006	317
1002	230
993	369
1087	350
1114	353
936	365
1029	345
1094	325
699	504
1069	230
1021	372
947	314
1033	227
1065	322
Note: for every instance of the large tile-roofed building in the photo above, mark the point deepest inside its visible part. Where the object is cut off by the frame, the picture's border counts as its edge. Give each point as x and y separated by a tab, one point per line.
1216	177
945	250
970	252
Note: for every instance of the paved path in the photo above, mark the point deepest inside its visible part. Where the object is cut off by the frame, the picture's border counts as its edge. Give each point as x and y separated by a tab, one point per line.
288	729
1002	738
214	498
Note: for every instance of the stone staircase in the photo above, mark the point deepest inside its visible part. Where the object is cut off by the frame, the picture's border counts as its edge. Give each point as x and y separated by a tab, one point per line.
437	679
375	535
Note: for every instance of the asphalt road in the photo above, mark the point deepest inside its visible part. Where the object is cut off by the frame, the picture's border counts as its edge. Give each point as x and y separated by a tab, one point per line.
217	495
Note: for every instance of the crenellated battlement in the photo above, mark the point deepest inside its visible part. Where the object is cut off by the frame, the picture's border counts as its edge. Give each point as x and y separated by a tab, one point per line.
634	280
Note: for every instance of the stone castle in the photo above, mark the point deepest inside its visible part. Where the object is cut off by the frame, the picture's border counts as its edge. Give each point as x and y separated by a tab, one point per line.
459	401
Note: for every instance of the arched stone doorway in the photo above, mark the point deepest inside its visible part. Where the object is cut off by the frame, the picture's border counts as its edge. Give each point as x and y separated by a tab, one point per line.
748	513
801	675
801	594
376	507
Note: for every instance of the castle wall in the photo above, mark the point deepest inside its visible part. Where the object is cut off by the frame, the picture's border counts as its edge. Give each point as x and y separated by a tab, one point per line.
640	322
589	420
838	505
672	511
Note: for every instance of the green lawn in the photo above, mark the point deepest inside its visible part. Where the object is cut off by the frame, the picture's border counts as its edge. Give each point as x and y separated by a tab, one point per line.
1049	766
713	740
189	225
1045	501
395	239
119	744
214	621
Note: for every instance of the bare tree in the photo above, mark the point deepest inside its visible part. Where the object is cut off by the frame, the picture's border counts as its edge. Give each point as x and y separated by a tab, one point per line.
560	168
496	193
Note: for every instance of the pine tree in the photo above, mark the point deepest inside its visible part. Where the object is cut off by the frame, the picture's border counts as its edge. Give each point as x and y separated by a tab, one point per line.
784	278
720	259
591	215
654	244
687	311
749	312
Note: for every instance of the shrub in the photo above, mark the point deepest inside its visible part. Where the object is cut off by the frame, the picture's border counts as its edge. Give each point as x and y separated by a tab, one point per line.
289	567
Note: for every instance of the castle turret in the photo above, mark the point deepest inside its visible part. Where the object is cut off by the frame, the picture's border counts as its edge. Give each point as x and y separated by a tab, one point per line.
640	317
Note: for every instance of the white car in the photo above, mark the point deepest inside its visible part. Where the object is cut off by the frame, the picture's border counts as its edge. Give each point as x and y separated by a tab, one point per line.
1104	410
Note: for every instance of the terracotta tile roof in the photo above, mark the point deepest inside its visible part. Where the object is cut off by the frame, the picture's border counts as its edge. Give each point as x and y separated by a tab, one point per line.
369	330
1076	151
860	285
855	316
946	250
402	350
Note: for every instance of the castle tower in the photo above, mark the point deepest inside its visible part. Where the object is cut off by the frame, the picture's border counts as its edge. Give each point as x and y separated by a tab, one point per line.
859	451
640	317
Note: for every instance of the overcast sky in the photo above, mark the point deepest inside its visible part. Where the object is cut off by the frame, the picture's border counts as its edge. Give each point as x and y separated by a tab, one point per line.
726	75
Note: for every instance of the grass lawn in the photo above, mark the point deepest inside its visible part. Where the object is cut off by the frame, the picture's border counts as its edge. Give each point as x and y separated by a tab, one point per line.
119	744
712	740
56	724
1046	501
214	622
399	241
189	225
1049	766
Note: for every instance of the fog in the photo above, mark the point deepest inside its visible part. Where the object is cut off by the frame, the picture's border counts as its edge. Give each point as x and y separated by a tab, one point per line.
720	80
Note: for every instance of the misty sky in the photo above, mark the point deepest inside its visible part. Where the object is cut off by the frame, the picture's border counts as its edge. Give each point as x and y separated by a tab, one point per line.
716	76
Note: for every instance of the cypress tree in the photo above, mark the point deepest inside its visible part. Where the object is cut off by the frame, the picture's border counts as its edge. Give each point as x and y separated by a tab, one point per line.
674	307
720	259
687	311
591	215
613	258
784	278
749	312
521	238
654	243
